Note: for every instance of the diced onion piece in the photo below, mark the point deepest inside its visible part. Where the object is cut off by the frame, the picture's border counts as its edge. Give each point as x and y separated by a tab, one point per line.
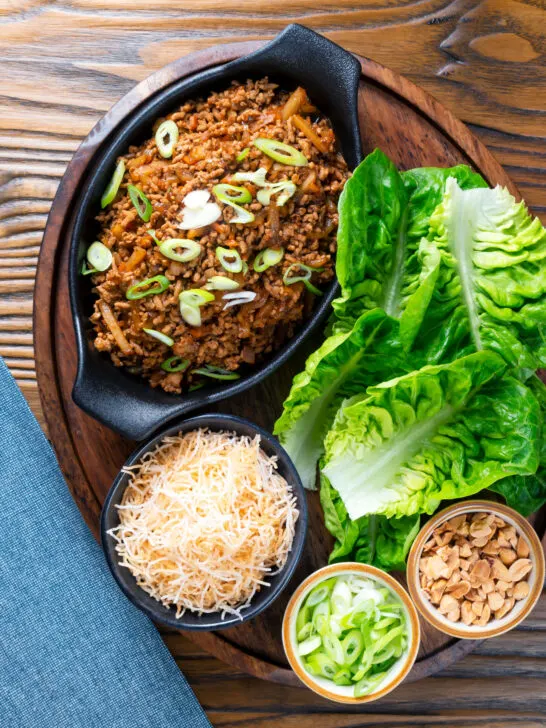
242	155
190	314
238	298
257	178
230	193
113	326
200	217
166	138
197	199
289	279
175	364
306	128
281	152
285	188
159	336
267	258
216	373
99	256
221	283
113	186
191	248
142	204
195	297
294	103
230	260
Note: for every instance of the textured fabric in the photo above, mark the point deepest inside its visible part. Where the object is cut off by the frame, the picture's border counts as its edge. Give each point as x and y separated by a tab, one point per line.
74	651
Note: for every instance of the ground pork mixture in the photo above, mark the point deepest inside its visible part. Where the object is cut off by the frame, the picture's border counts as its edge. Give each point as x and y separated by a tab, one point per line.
214	134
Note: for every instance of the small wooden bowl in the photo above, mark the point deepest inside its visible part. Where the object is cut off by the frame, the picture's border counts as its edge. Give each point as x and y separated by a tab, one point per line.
521	609
322	686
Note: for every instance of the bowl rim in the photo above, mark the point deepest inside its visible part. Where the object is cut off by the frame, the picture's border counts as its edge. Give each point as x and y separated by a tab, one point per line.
119	484
493	629
291	612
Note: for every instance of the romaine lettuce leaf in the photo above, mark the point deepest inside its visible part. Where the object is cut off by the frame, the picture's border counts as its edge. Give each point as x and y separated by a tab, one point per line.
439	433
344	365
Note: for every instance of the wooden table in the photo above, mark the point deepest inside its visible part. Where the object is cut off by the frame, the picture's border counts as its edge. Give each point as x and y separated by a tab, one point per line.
64	63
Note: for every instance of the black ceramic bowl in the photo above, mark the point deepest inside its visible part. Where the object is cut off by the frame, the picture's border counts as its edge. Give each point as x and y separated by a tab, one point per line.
298	56
206	622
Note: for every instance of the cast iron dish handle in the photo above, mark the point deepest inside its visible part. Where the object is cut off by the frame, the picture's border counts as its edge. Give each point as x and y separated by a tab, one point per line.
329	73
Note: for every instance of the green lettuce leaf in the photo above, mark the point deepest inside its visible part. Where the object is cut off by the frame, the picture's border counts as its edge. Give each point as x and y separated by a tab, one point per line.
344	365
382	542
439	433
493	274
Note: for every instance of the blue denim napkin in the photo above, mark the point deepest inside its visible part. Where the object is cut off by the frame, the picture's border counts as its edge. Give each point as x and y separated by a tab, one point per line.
74	652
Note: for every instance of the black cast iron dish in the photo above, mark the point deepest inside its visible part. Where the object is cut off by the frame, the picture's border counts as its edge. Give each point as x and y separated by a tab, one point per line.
125	402
261	600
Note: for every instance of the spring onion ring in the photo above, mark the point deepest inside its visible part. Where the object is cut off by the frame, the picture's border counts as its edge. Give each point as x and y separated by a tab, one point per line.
149	287
267	258
153	235
191	248
195	297
281	152
85	271
289	280
216	373
112	188
242	155
237	298
190	314
160	337
221	283
142	204
99	256
230	260
256	178
230	193
166	131
285	188
175	364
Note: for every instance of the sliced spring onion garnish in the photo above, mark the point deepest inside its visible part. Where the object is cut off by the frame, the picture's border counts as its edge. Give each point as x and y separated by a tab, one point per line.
242	155
230	260
230	193
190	314
195	297
216	373
99	256
284	189
113	186
221	283
160	337
281	152
243	216
153	235
305	278
141	202
175	364
238	298
245	268
196	199
197	385
194	218
149	287
267	258
85	271
166	137
257	177
180	249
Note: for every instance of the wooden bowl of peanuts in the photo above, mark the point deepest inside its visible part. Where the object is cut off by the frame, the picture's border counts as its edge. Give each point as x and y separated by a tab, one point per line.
476	569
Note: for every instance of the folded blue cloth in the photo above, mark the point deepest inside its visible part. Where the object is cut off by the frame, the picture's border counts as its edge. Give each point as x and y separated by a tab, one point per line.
73	650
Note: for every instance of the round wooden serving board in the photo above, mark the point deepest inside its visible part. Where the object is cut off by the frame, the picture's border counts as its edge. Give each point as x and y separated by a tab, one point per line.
415	131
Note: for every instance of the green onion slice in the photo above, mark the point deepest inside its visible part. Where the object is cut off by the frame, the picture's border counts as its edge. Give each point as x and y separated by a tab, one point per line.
99	256
190	314
85	271
160	337
111	190
281	152
195	297
221	283
242	155
309	645
289	279
175	364
191	249
257	177
197	385
149	287
230	193
267	258
230	260
284	189
141	202
166	137
153	235
216	373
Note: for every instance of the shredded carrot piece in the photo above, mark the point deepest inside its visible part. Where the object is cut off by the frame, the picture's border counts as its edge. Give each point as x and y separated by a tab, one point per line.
113	326
294	103
136	257
304	126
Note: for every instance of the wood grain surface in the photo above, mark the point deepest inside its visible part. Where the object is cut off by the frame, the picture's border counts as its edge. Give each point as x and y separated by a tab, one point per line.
64	64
